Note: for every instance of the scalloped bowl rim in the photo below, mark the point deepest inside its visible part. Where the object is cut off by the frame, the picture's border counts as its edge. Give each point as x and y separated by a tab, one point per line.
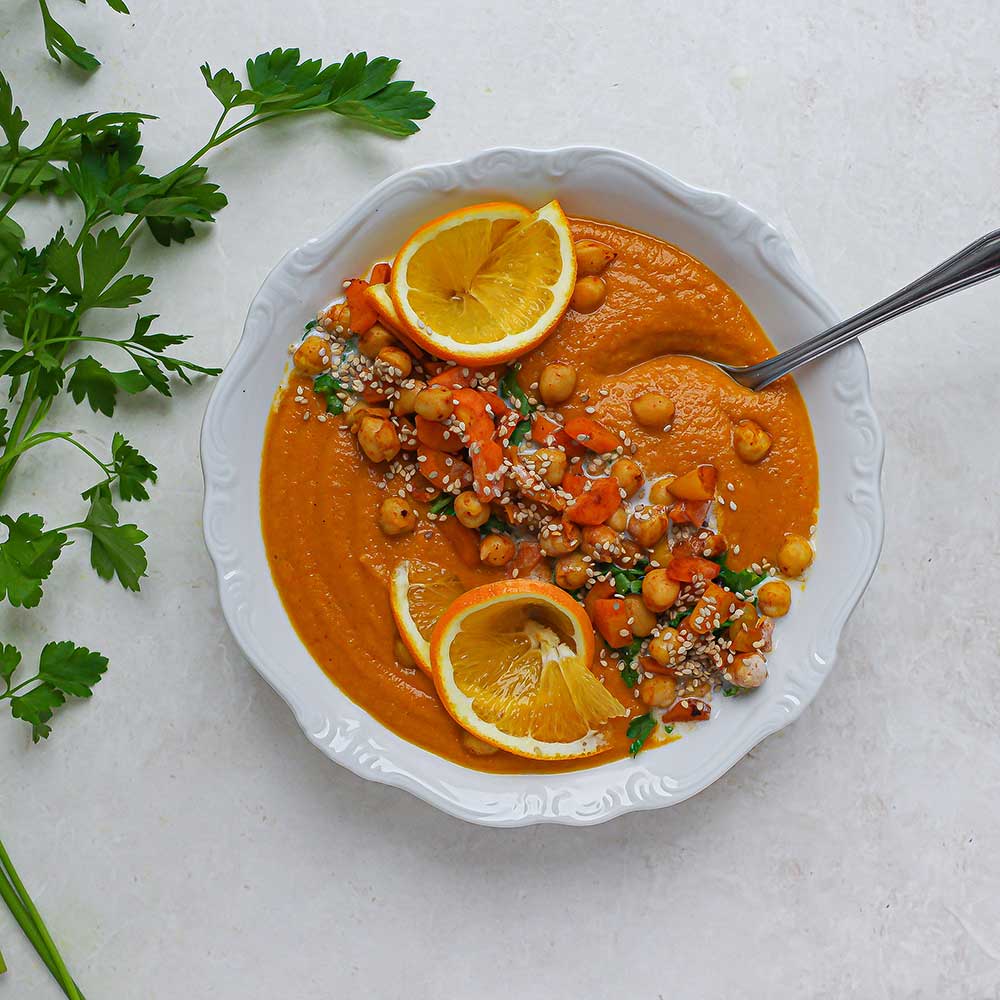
344	731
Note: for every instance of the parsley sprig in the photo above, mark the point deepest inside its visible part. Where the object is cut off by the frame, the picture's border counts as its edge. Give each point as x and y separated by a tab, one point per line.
517	399
59	40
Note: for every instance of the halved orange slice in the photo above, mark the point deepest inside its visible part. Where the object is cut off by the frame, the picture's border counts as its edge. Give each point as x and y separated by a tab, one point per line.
511	663
419	593
486	283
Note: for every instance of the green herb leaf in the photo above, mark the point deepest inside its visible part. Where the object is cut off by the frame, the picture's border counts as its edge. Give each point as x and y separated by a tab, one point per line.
741	582
668	728
10	657
444	504
628	655
639	730
520	432
12	122
223	84
132	470
513	394
493	525
35	707
71	669
327	386
731	691
59	40
26	558
115	548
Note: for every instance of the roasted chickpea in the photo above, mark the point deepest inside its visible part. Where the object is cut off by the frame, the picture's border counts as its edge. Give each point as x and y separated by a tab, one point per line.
658	691
632	552
338	319
398	359
559	538
628	472
312	356
470	510
600	543
397	516
659	592
549	463
659	492
592	257
373	340
497	550
403	656
665	647
748	670
618	520
750	441
774	598
588	294
435	403
643	620
648	525
474	745
378	438
404	404
795	555
653	410
571	571
556	383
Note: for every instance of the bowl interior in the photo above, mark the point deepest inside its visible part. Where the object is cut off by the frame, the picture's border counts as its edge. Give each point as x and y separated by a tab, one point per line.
748	254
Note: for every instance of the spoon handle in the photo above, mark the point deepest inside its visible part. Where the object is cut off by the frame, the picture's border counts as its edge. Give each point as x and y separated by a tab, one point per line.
977	262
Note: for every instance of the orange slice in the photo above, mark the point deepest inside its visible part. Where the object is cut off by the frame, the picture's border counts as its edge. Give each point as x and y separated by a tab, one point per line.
486	283
510	661
419	593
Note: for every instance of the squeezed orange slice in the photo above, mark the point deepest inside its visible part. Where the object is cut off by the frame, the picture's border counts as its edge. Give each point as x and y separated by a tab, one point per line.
419	593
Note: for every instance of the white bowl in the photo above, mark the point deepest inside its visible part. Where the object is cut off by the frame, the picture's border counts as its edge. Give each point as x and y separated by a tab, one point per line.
605	184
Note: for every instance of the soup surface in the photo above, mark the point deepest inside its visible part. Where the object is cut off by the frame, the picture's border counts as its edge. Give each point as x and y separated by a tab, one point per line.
331	562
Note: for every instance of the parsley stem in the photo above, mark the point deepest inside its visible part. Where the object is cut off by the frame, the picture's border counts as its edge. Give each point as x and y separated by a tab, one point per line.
27	915
26	183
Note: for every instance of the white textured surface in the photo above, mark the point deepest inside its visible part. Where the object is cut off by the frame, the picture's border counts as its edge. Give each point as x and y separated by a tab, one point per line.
181	836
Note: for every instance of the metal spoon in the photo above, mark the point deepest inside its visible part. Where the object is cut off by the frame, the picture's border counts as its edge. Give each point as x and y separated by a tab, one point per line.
977	262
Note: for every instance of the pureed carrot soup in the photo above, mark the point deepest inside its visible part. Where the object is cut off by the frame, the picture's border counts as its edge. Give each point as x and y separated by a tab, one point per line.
660	499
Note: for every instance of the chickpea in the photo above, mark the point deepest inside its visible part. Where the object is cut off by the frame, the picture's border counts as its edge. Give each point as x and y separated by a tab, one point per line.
556	383
404	404
795	555
748	670
560	538
643	620
571	571
665	647
434	403
750	441
658	691
403	656
592	257
397	516
600	543
618	520
648	525
497	550
373	340
359	411
311	356
549	464
659	592
653	410
378	439
629	474
471	511
659	492
774	598
474	745
588	294
338	319
397	358
632	552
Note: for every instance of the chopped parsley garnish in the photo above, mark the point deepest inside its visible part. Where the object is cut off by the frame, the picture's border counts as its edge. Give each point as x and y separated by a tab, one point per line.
311	325
677	619
627	580
731	691
327	386
668	728
630	675
639	730
742	582
514	394
444	504
521	431
492	526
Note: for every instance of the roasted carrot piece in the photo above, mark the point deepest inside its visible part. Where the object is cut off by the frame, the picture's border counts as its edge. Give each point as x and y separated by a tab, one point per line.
442	469
496	404
596	505
611	620
651	666
529	555
592	434
685	568
690	512
715	606
463	540
688	710
372	395
487	463
600	591
363	315
381	273
452	376
698	484
573	483
432	434
543	429
750	634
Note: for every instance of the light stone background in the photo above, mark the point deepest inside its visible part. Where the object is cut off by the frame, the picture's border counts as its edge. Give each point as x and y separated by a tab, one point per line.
183	838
